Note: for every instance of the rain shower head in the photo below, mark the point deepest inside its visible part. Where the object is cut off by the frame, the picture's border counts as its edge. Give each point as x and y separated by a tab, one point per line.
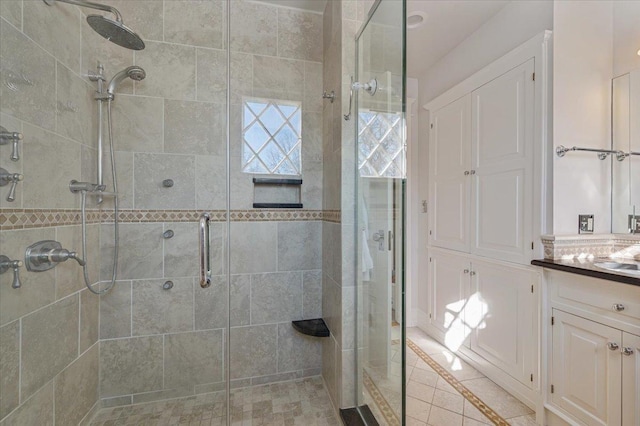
116	32
134	73
111	29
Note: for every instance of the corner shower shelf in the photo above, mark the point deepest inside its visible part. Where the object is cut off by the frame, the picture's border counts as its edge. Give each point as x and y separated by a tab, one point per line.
312	327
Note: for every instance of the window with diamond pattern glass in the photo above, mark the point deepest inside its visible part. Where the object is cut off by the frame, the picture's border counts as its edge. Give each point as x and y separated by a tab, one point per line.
271	137
381	151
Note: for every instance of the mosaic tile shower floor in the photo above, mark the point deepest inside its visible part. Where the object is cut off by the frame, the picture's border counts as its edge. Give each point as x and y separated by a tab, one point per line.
300	402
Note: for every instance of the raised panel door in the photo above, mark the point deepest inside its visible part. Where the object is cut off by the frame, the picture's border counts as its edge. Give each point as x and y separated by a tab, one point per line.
502	166
449	175
586	371
631	380
501	313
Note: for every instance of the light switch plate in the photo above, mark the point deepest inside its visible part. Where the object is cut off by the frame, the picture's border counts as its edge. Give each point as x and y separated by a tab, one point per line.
585	224
634	224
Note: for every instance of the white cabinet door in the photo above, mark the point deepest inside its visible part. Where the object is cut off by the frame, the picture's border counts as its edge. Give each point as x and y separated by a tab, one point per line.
586	372
448	280
502	315
449	164
502	166
631	380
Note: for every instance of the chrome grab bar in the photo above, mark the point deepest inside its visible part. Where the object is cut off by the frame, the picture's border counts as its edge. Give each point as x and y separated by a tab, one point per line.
205	251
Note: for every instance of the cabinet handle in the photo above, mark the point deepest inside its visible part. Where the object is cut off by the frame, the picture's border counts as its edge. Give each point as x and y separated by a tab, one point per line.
618	307
472	273
627	351
613	346
473	172
466	271
467	173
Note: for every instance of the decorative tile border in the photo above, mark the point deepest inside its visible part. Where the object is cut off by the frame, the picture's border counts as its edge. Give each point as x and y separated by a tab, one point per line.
382	404
41	218
494	417
591	246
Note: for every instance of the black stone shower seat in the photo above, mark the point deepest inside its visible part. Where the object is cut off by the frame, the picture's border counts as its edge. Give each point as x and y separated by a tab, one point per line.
312	327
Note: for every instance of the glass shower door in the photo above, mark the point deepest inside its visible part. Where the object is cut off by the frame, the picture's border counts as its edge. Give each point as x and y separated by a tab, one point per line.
380	188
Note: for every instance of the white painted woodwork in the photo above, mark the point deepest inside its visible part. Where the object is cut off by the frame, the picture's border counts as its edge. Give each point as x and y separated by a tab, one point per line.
447	290
631	381
502	163
449	159
586	373
502	317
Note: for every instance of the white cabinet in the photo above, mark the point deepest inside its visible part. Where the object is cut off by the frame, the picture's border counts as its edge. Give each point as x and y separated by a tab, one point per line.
594	346
630	379
481	162
488	307
587	364
449	164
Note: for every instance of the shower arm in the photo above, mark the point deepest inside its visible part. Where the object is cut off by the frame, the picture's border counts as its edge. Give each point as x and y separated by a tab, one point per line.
90	5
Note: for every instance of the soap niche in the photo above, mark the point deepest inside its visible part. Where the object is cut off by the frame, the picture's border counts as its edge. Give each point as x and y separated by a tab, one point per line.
269	193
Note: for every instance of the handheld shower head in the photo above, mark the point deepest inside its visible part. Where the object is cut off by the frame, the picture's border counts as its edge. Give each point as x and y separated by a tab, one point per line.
134	73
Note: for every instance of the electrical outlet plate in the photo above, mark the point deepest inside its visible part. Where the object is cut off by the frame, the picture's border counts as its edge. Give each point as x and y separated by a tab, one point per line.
585	224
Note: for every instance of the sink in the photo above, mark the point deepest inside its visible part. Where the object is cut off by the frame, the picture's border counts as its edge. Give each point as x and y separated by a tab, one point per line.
623	268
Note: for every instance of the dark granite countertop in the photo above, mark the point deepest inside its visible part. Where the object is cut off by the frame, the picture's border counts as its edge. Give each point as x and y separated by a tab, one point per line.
586	267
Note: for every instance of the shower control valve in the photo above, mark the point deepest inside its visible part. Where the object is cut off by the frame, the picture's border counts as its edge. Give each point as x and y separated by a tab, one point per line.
46	254
10	178
5	264
7	137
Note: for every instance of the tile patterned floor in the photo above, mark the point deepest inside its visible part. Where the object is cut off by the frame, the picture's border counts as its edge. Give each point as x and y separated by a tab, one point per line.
300	402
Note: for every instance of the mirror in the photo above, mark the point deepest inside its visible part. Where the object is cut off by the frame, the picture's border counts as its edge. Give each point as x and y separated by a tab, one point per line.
625	121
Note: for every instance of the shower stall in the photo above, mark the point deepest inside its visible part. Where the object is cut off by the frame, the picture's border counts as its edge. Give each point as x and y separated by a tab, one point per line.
244	233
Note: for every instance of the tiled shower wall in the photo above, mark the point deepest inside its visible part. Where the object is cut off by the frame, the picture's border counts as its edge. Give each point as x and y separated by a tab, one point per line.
49	347
157	343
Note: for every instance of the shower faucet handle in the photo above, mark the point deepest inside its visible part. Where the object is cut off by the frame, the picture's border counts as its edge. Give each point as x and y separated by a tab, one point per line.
46	254
10	178
5	264
7	137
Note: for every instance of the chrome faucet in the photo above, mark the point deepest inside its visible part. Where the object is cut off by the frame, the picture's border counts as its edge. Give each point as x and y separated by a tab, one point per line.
13	178
46	254
5	264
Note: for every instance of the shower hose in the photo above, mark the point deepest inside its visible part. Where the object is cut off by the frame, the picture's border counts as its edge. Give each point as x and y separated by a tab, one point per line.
83	206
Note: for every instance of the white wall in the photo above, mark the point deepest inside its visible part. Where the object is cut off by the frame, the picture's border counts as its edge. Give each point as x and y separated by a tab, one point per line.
582	71
626	36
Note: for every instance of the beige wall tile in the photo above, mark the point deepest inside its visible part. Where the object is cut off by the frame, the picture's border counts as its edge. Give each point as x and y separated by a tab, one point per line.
312	294
22	58
211	176
134	365
69	276
38	288
194	128
253	351
253	247
38	410
254	28
89	317
211	303
76	388
299	246
137	124
11	10
50	162
156	310
276	297
124	170
195	22
299	34
212	75
57	30
9	367
115	311
49	343
140	253
181	251
76	110
313	88
193	358
297	351
171	71
152	169
278	78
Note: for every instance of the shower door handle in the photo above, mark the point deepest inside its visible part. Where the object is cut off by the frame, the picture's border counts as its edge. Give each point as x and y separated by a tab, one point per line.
205	251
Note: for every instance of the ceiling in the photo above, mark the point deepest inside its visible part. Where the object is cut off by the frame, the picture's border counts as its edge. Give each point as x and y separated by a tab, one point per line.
448	23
